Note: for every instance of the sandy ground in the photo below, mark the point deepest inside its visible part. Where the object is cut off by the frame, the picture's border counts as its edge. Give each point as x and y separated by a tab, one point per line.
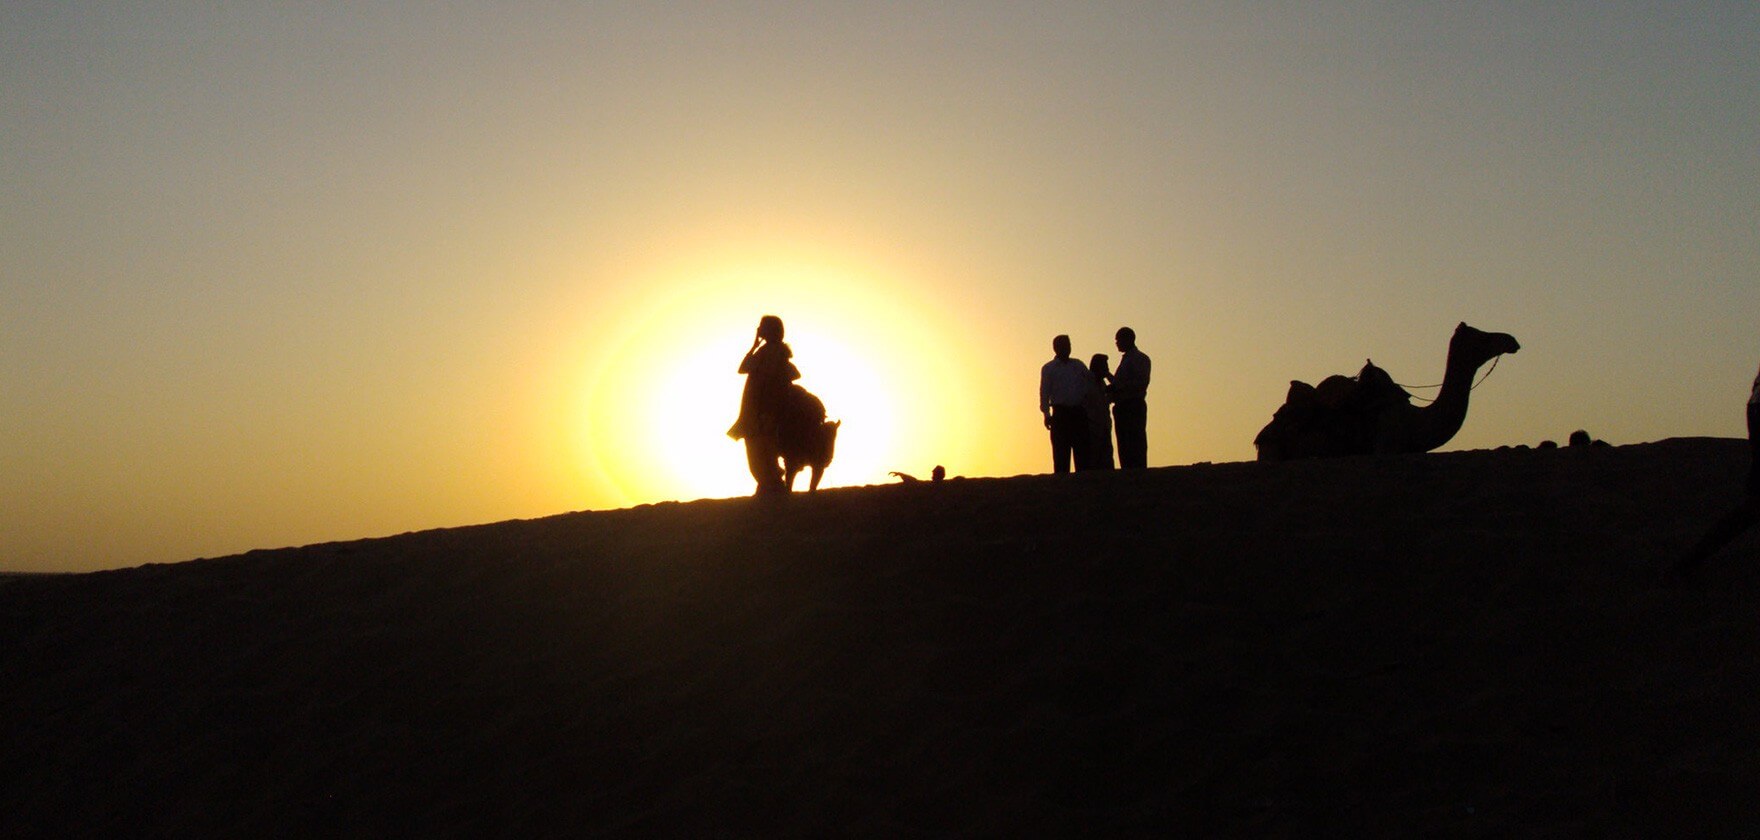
1467	644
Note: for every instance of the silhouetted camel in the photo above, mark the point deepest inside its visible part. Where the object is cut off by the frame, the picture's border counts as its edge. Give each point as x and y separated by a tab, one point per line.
1372	414
805	438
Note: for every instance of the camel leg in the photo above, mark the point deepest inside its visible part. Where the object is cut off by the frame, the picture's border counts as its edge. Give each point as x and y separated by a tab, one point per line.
813	483
788	475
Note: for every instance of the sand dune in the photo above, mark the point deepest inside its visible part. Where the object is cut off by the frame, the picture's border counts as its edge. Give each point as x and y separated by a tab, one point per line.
1456	644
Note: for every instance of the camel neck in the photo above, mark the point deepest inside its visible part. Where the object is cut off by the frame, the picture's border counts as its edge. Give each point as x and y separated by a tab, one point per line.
1444	417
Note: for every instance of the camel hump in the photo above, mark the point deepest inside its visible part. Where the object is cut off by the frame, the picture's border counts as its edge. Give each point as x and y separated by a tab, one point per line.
808	405
1375	386
1334	390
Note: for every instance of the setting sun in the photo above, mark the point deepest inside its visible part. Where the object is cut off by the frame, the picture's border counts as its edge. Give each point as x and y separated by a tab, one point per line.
657	408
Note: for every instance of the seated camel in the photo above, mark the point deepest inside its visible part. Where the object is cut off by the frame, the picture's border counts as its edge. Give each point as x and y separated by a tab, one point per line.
1371	414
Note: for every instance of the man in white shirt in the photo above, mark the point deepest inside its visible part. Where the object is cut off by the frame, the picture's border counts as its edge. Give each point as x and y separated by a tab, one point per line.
1063	390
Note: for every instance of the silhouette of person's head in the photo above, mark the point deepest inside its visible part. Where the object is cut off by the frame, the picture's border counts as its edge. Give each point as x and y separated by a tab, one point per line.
770	328
1126	339
1098	366
938	473
1060	346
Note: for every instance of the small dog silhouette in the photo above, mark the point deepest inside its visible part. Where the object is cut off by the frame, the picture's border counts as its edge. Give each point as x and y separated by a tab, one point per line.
938	474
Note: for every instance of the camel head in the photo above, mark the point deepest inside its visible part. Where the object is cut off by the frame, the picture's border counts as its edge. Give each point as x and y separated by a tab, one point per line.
1477	346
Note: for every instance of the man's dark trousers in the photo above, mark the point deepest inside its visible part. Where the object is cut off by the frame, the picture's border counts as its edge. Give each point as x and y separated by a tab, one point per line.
1130	421
1069	436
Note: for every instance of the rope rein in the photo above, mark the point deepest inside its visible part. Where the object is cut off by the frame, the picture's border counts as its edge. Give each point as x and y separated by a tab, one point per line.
1494	360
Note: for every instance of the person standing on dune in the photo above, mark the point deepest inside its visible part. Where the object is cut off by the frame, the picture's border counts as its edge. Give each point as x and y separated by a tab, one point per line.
1744	515
1130	404
1063	390
1099	420
768	373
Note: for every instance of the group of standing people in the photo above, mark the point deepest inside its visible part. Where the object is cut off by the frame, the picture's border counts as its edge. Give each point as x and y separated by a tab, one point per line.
1085	406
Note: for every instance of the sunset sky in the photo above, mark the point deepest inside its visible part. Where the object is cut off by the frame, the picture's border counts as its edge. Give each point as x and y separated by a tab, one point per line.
276	274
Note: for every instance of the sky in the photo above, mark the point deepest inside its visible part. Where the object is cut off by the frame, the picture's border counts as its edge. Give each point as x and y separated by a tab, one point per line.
280	274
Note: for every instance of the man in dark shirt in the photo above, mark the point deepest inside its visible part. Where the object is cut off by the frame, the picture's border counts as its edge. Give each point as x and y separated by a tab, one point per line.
1130	407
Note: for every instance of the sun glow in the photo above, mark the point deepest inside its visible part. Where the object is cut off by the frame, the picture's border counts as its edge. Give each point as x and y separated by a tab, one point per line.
657	409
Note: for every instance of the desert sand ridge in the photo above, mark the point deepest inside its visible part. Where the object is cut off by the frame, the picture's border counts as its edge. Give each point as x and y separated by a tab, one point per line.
1456	644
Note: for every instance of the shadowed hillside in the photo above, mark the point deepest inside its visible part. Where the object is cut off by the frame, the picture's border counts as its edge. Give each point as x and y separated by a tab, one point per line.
1454	644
